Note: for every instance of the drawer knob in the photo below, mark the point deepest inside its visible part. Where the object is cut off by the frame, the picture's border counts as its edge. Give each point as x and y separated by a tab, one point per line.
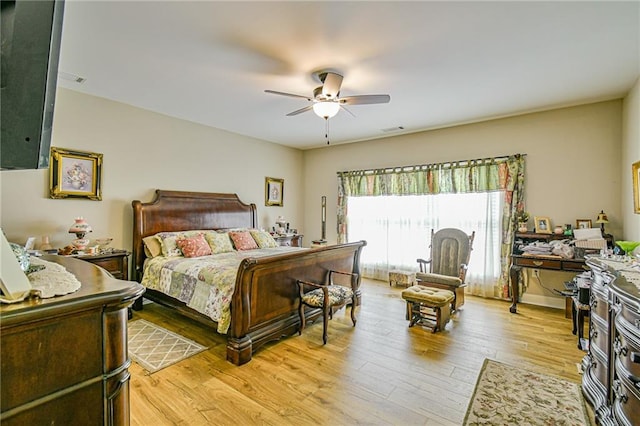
538	262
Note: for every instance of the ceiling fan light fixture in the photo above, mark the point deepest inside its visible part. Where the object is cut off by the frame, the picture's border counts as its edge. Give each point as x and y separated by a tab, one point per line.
326	109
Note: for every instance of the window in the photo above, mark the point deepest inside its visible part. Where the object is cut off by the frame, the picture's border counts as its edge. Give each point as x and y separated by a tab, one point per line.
398	231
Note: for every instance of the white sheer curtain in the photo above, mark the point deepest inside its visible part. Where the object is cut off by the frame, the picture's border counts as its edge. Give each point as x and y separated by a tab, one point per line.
398	231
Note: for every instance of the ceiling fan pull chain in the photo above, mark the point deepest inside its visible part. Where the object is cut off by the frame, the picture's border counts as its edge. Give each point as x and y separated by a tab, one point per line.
326	131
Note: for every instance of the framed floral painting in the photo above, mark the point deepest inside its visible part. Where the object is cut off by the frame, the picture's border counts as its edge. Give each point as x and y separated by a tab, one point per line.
75	174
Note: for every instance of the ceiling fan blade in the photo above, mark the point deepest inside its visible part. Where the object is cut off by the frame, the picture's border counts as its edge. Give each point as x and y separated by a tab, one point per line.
288	94
331	83
365	99
300	111
347	109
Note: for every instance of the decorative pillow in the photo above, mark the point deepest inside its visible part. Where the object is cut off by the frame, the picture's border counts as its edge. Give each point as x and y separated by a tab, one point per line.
263	238
243	240
195	246
152	246
169	242
219	242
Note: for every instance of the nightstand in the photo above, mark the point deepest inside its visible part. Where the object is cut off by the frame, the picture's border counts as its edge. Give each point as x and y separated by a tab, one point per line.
289	240
115	262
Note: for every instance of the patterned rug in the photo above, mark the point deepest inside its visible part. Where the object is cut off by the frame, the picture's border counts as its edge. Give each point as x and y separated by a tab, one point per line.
506	395
155	348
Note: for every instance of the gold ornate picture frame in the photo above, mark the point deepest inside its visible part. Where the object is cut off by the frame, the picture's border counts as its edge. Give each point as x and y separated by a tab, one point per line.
635	170
75	174
273	191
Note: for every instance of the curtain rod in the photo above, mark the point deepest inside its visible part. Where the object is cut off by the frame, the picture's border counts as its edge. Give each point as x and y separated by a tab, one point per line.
447	163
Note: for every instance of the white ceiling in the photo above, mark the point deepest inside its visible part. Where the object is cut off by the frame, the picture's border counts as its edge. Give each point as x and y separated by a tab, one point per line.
442	63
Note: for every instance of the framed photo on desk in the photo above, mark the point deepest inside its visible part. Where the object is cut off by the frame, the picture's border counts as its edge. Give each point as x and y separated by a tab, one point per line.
542	225
583	223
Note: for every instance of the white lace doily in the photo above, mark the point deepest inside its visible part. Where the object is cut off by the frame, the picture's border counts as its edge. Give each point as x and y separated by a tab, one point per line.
633	277
53	280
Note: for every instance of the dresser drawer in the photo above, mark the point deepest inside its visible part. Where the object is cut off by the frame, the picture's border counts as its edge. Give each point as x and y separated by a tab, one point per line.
627	354
598	371
600	307
538	263
116	263
70	344
599	339
626	402
113	266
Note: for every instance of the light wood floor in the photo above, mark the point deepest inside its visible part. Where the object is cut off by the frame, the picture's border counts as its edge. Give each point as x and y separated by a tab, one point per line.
380	372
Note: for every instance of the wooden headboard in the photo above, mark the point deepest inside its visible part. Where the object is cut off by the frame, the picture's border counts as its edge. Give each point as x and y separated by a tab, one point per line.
181	211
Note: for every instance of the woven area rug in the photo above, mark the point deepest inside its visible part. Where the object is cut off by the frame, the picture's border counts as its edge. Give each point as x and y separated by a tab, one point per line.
155	348
506	395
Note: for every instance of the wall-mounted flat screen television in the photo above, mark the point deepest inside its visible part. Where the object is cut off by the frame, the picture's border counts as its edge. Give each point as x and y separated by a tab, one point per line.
31	33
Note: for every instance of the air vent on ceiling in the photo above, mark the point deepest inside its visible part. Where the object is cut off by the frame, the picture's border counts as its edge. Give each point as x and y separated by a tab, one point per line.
71	77
392	129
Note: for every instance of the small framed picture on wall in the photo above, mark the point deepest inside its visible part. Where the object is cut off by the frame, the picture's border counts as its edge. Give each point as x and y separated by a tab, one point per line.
273	191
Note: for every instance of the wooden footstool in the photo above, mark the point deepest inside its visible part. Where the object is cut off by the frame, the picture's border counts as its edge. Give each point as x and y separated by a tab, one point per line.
428	306
405	278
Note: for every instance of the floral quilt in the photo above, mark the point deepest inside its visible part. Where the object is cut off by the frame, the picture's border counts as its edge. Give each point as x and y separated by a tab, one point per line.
205	283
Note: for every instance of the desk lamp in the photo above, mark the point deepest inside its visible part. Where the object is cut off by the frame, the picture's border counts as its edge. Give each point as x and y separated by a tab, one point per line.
602	219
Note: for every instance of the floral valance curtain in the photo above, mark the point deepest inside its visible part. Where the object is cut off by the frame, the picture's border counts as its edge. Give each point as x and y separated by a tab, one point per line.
504	174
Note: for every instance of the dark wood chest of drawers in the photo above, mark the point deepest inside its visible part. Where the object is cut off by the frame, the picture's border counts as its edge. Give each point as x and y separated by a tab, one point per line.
64	360
611	379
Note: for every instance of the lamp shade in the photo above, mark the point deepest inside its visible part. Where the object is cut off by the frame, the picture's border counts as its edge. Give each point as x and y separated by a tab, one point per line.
602	217
80	227
326	109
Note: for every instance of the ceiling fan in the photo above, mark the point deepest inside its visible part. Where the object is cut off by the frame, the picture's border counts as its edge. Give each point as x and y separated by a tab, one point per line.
326	100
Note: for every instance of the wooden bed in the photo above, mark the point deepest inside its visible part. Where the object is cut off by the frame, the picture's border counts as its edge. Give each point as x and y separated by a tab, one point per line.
265	300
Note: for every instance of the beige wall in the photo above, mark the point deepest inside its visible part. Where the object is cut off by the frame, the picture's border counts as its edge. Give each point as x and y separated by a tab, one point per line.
630	155
573	161
573	168
144	151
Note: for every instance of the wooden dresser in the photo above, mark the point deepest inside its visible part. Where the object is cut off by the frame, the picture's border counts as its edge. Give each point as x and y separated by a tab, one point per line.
64	360
611	379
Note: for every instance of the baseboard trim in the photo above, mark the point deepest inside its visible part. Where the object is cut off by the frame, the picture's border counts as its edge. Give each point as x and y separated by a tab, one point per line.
541	300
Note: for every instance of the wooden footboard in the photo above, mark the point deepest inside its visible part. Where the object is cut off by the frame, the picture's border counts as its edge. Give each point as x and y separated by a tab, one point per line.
264	303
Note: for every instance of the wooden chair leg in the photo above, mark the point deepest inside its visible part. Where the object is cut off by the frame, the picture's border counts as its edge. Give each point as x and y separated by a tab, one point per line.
353	310
325	323
302	318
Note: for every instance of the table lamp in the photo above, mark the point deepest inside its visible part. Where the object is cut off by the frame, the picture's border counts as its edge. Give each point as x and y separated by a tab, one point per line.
602	219
80	227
